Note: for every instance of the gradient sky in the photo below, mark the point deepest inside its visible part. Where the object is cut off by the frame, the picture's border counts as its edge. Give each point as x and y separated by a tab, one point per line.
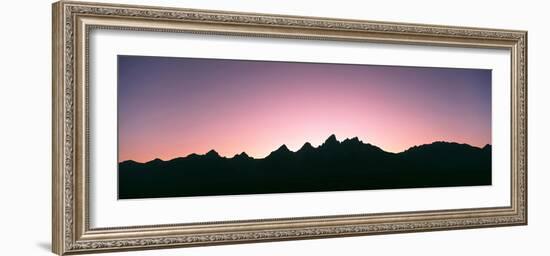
172	107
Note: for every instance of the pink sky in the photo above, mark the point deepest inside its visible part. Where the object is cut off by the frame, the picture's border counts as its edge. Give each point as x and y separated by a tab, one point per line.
172	107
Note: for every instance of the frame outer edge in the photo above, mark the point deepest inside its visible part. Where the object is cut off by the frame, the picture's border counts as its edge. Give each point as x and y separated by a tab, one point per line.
526	126
65	176
57	246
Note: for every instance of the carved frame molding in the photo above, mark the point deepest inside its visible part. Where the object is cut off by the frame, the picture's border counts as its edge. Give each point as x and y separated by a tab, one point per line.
72	22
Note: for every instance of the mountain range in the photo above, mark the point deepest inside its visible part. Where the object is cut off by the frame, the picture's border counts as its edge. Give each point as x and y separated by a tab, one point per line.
332	166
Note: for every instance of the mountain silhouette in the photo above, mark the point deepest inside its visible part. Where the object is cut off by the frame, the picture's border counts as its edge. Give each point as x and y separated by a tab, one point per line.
331	141
242	156
333	166
307	148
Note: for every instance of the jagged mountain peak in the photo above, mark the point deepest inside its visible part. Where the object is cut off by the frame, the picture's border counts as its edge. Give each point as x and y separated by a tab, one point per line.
306	146
283	148
353	140
242	155
155	161
280	152
331	140
212	153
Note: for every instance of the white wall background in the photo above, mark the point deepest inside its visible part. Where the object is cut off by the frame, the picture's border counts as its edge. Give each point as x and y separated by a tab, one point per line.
25	114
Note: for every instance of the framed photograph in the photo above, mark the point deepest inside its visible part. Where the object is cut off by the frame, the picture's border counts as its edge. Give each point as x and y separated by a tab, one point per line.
179	127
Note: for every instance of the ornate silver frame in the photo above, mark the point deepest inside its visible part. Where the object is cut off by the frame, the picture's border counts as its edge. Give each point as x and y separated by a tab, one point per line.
72	22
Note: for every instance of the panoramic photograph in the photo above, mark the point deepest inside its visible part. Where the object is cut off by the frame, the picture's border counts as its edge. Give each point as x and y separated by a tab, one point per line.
217	127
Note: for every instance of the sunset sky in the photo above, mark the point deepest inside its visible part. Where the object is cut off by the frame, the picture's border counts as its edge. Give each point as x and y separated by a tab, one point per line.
172	107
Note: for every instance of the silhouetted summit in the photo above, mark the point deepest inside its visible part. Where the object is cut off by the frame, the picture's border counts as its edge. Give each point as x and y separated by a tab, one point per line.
155	161
212	154
281	152
332	166
242	156
352	141
331	141
306	148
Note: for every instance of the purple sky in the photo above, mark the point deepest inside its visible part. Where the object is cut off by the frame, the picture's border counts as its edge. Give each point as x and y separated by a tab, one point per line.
171	107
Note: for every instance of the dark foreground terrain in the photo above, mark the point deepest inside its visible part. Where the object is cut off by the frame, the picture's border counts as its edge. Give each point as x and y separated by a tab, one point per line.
333	166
